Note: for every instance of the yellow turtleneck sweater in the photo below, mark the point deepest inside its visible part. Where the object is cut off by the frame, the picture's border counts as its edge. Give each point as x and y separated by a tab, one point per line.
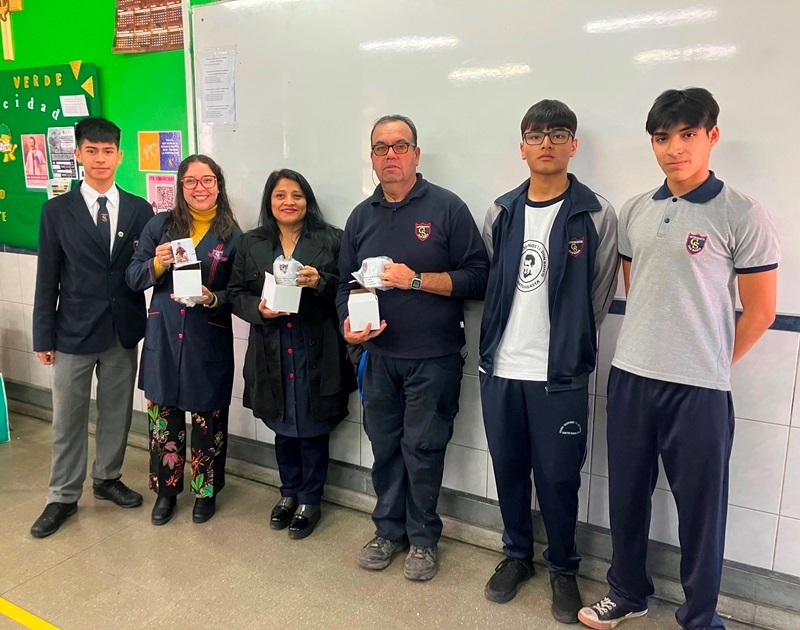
201	223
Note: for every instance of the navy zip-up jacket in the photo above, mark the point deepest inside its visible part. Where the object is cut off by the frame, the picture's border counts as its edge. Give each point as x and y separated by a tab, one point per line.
581	283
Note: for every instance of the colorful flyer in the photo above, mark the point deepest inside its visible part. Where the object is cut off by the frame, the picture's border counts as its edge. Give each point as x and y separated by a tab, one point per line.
159	150
33	154
56	187
61	143
161	191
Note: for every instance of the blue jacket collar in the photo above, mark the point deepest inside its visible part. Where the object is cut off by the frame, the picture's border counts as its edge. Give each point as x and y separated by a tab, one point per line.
704	193
580	196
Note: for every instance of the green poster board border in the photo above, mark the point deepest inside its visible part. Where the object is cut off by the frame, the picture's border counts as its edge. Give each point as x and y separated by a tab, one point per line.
30	103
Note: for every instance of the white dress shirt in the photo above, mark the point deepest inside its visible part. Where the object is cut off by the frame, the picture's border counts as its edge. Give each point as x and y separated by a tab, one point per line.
90	196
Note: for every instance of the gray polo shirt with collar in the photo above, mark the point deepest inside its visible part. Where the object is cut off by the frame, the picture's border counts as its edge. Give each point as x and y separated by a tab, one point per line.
685	253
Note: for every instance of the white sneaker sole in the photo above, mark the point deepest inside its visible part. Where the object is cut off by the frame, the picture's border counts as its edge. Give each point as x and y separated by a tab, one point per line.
588	617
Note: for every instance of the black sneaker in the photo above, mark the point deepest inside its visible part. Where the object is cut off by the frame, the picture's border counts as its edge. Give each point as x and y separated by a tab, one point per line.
566	597
510	573
607	614
379	552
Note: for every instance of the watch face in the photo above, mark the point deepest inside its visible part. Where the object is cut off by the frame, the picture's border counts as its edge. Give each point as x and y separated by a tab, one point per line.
416	283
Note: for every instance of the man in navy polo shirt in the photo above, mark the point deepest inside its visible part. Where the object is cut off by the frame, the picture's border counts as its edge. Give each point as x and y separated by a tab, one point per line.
412	375
684	247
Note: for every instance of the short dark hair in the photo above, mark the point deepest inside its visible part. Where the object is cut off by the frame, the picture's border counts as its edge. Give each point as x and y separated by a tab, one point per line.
530	257
179	222
314	223
97	130
549	113
694	107
395	118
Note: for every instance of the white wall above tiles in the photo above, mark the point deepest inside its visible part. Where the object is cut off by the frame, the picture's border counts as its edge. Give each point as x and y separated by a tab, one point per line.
765	466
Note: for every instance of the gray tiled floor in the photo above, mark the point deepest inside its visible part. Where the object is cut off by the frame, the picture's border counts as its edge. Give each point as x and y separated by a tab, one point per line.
110	568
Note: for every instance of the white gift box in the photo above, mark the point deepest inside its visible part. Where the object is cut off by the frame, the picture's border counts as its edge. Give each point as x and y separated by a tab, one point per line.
280	297
363	308
187	282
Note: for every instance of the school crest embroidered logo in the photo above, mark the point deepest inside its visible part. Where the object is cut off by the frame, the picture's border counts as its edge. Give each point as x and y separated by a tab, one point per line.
422	230
575	246
695	243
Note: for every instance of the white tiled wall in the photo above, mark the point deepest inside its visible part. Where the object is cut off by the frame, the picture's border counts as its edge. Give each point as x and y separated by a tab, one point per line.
764	513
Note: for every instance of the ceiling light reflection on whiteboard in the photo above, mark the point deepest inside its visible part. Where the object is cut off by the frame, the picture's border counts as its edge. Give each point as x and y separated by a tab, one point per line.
489	73
243	5
690	53
410	44
658	19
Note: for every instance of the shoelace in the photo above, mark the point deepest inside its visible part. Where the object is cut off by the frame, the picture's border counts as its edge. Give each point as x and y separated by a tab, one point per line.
377	542
604	605
419	552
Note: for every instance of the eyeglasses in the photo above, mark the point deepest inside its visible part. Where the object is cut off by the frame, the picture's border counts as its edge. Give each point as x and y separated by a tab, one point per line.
400	148
557	136
207	182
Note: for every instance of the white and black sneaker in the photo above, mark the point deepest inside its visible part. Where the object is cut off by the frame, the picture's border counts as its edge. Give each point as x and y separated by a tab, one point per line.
606	614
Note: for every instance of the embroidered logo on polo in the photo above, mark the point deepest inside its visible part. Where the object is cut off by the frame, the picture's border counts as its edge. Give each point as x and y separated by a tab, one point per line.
423	230
695	243
533	266
575	246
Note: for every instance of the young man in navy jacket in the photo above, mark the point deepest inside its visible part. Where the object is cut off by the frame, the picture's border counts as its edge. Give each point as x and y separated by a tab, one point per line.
553	249
86	320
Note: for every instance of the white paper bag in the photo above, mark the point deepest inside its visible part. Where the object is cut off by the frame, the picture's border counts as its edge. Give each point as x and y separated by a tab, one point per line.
281	298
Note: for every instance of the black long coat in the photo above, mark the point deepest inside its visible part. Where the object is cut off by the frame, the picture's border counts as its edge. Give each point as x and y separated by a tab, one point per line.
330	374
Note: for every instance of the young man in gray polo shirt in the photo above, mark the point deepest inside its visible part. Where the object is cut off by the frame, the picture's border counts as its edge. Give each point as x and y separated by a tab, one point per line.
684	247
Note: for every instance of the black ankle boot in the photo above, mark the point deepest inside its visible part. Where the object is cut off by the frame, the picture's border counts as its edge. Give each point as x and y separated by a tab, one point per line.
163	510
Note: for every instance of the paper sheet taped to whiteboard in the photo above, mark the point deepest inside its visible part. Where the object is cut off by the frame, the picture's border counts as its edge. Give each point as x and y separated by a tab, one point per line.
218	87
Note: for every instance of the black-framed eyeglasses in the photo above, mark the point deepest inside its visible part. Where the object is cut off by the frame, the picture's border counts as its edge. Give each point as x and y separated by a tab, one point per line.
207	182
400	148
557	136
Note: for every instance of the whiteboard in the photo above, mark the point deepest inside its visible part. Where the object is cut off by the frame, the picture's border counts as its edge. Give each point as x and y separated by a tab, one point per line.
313	75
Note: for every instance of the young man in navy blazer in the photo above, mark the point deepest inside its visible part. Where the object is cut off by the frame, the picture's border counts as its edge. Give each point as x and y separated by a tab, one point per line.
86	320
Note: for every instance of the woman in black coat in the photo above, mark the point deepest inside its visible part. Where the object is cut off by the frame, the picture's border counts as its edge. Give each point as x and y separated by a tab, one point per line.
296	372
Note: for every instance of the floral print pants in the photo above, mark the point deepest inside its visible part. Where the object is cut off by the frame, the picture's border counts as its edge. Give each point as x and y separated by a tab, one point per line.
168	450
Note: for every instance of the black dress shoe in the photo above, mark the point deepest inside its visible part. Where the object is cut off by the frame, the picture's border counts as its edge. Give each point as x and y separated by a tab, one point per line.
304	521
163	510
116	491
52	518
282	513
204	509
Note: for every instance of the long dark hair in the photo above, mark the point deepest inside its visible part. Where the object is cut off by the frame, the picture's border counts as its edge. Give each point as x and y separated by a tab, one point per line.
179	221
314	224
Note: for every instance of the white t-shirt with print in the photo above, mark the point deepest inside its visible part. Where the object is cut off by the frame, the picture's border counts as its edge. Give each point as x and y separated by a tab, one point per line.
524	348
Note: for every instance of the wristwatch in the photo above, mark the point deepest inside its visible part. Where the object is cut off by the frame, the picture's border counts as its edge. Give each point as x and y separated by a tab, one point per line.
416	282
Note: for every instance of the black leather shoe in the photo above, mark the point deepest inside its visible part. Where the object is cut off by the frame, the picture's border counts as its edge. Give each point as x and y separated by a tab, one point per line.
204	509
304	521
508	575
52	518
116	491
283	512
163	510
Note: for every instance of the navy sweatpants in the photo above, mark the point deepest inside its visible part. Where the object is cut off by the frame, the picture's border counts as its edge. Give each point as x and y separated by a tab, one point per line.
530	429
692	429
409	407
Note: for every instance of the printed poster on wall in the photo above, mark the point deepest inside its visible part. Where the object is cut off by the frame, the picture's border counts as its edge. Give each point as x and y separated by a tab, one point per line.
159	150
161	191
61	142
33	155
148	26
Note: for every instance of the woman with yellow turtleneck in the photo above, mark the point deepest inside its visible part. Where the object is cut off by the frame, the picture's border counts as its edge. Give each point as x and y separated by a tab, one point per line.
187	358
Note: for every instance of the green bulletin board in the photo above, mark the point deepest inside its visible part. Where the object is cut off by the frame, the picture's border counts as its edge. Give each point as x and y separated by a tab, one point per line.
34	103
